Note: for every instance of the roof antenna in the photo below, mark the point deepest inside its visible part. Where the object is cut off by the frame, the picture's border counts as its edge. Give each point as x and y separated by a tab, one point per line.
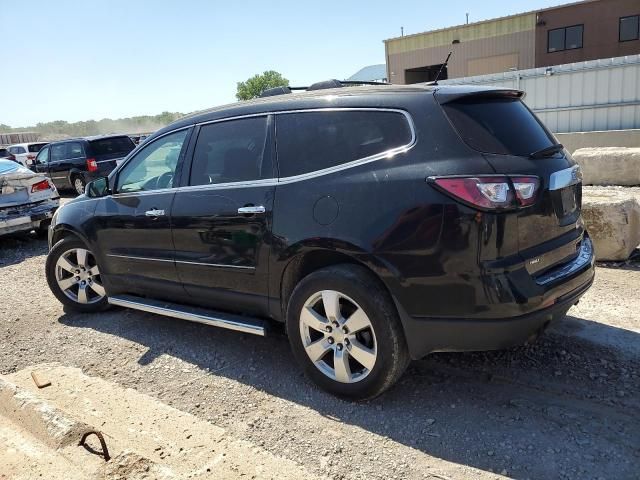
442	67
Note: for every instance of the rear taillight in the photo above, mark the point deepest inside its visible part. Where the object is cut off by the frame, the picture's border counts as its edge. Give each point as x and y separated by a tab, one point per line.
526	189
499	192
12	157
40	186
92	165
31	157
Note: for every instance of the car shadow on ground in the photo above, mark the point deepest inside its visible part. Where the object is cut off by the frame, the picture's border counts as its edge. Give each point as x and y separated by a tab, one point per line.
18	247
525	411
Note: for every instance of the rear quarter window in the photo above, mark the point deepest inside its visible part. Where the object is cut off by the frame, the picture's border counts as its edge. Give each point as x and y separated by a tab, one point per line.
312	141
503	126
112	146
35	147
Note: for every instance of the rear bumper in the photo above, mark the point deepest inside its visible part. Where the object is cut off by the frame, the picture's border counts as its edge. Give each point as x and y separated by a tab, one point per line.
505	325
24	219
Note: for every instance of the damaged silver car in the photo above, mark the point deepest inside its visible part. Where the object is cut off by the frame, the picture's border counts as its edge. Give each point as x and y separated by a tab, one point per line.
27	199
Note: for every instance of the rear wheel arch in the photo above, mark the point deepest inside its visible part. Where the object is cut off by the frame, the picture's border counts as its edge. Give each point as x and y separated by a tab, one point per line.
306	263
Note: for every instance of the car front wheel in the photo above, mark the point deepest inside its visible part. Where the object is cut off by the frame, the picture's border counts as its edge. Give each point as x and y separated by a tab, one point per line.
74	278
345	332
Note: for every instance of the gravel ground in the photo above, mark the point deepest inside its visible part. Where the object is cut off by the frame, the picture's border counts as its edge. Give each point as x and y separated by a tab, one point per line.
565	407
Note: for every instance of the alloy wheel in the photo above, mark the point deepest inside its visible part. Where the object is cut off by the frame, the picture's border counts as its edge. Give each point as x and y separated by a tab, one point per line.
338	336
78	184
78	276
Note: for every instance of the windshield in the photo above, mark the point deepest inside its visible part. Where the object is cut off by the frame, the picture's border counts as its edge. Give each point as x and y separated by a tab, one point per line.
503	126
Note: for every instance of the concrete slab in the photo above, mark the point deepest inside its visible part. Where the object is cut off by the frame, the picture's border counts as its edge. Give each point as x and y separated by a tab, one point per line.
145	438
609	165
612	216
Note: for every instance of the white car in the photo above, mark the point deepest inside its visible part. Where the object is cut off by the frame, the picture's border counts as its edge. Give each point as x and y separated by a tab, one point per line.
28	199
25	153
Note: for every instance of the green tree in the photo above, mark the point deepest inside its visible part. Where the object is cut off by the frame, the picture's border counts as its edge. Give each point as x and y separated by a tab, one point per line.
257	84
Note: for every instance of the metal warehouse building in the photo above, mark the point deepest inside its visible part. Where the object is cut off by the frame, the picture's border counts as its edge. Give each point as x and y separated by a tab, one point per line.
576	32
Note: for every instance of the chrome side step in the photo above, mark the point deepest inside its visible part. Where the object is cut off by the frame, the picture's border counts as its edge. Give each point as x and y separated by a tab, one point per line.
192	314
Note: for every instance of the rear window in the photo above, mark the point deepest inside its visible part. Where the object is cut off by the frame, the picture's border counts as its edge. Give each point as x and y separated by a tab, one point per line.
35	147
311	141
112	146
502	126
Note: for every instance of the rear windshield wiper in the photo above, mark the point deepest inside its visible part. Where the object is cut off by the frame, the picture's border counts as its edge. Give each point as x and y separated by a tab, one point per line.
547	151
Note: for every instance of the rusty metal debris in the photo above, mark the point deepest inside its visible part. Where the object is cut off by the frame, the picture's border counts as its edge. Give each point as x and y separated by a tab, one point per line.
38	382
103	444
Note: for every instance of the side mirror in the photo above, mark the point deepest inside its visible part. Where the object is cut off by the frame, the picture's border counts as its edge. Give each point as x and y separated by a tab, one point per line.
98	188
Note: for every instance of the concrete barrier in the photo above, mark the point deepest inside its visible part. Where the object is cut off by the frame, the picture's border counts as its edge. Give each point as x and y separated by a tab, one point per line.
145	438
597	139
612	217
609	165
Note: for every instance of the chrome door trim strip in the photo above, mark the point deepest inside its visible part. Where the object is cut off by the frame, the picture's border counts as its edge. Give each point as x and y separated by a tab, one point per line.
218	265
131	257
565	178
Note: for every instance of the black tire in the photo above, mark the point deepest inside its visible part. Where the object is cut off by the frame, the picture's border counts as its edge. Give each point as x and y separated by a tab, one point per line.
56	252
78	183
368	293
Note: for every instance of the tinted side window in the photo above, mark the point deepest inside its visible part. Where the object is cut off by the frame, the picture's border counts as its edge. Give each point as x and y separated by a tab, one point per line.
311	141
17	150
35	147
75	150
233	151
498	125
58	152
112	146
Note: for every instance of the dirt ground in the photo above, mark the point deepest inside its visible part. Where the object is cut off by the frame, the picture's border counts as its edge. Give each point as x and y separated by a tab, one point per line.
565	407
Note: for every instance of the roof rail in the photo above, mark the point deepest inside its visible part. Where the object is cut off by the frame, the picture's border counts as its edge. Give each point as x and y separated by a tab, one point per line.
333	83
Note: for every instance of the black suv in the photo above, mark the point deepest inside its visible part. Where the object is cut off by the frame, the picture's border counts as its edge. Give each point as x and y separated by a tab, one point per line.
75	162
379	223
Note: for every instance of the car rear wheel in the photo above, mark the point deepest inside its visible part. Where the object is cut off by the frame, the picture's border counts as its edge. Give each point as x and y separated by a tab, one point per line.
74	278
345	332
79	184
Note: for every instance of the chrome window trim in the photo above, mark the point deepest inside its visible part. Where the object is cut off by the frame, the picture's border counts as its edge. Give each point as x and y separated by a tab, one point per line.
565	178
269	182
316	173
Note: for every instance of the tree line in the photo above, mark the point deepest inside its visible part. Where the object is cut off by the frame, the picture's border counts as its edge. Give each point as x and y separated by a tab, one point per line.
138	124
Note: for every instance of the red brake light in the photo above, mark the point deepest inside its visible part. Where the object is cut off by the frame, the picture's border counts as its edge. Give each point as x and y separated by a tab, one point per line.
12	157
31	157
491	192
92	165
40	186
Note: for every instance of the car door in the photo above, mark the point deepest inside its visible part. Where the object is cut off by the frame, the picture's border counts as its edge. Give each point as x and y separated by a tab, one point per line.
132	224
41	164
221	221
59	165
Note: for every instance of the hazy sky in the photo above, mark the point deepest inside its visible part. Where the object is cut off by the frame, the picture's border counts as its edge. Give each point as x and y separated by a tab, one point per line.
82	60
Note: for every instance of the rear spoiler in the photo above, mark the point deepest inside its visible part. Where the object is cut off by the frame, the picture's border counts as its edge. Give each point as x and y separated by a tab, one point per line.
450	94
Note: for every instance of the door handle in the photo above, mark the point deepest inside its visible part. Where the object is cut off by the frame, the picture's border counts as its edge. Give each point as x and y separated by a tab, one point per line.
251	209
154	213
